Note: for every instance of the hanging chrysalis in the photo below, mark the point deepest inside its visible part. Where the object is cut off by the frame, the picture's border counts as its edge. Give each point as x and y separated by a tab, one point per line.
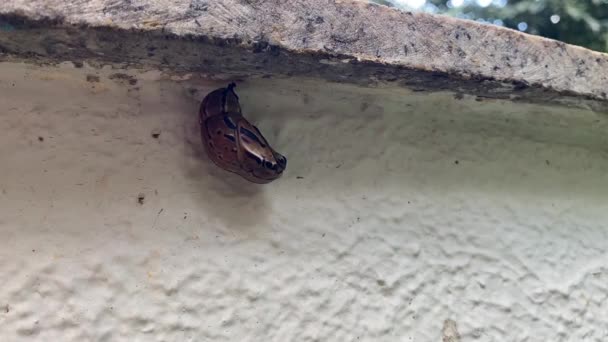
233	143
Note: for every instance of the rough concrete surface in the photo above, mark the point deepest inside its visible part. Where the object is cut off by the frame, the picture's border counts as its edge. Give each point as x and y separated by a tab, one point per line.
401	217
343	41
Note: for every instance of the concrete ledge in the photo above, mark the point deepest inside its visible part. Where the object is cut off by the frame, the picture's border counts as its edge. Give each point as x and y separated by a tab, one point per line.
342	41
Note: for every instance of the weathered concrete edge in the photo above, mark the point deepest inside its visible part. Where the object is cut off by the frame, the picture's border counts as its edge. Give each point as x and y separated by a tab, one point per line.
359	46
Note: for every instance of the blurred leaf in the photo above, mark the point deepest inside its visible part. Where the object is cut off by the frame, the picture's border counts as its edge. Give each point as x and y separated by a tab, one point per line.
581	22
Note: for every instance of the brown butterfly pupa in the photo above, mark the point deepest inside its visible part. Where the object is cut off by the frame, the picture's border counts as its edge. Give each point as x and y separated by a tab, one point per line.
233	143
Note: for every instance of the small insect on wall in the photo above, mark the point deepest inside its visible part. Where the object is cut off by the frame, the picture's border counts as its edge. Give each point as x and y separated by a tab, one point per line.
233	143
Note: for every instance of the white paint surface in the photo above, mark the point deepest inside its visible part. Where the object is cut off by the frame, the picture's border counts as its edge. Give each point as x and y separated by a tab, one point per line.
374	233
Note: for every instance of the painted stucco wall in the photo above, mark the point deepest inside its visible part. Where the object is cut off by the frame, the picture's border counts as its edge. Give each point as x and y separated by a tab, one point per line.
401	216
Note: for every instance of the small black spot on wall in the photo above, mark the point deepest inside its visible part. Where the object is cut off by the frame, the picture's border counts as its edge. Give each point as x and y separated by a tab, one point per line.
92	78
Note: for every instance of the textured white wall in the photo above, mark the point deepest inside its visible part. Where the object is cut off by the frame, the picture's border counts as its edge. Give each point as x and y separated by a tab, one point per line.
402	217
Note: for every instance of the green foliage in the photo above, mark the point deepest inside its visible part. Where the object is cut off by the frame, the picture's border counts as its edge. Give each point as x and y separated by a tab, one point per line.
581	22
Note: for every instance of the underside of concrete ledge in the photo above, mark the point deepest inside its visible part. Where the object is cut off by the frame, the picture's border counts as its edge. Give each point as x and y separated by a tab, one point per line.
339	41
